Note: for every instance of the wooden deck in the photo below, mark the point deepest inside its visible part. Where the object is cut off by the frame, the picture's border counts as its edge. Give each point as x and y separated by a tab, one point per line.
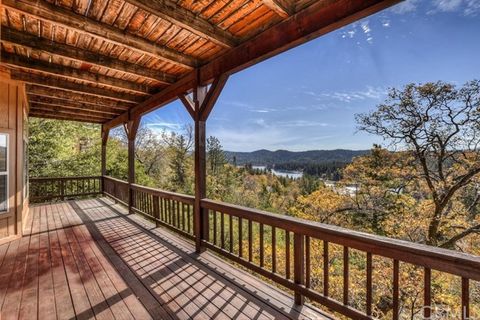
90	259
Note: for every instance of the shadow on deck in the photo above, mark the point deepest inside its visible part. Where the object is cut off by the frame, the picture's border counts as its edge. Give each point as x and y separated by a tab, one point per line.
91	259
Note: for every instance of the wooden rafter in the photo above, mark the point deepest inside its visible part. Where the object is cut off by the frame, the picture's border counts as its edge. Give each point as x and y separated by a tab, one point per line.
45	11
16	37
48	115
283	8
318	19
58	103
55	70
58	110
77	97
74	87
168	10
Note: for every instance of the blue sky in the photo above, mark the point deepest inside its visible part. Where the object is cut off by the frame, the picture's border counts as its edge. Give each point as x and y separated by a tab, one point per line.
306	98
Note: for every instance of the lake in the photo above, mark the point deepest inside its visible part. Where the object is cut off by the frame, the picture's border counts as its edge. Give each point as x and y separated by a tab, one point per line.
282	173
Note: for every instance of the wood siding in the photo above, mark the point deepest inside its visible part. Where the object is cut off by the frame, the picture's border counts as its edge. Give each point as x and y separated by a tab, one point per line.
13	110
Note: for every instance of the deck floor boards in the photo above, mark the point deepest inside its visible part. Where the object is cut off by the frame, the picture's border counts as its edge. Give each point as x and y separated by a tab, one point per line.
90	259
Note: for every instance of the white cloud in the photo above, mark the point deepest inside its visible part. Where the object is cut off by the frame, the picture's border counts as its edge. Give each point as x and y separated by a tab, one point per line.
447	5
365	27
465	7
261	122
472	7
374	93
405	7
164	125
301	123
386	23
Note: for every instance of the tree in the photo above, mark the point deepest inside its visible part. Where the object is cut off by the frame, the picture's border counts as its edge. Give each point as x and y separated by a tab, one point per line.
439	125
63	148
179	147
215	155
150	152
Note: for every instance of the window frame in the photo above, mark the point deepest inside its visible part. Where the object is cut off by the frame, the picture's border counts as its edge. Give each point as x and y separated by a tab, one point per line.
6	173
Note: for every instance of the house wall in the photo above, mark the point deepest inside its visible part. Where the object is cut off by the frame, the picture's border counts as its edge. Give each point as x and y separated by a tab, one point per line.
13	115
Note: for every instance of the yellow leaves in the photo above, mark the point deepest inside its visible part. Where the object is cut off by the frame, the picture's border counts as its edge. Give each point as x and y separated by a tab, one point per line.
320	205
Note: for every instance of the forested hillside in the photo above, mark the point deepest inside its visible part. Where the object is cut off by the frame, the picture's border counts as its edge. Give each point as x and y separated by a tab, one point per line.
279	157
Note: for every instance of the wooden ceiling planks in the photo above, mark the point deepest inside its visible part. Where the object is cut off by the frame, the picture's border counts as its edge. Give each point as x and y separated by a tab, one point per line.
95	54
66	95
70	74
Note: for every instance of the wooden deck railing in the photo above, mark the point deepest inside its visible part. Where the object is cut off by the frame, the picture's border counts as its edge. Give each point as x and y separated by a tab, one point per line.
228	221
48	189
302	255
169	209
116	188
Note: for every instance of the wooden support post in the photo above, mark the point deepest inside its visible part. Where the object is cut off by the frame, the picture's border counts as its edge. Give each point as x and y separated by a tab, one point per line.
299	264
199	108
200	215
105	133
131	128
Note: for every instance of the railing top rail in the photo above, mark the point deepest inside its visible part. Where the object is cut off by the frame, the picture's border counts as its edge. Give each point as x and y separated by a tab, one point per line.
166	194
449	261
115	179
63	178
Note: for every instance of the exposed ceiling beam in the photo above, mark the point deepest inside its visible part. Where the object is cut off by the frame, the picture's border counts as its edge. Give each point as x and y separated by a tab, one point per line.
168	10
39	100
74	87
16	37
34	108
77	97
282	7
45	11
56	70
49	115
316	20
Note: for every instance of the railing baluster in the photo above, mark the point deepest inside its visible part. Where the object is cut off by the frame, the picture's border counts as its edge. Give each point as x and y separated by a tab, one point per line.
369	284
307	262
274	250
174	213
250	241
427	297
326	267
298	264
465	299
346	274
178	214
262	247
240	238
156	210
160	199
396	289
183	217
189	217
214	227
150	201
222	230
230	232
287	254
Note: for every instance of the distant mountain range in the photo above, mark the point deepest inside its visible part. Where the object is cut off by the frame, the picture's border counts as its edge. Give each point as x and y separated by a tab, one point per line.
271	158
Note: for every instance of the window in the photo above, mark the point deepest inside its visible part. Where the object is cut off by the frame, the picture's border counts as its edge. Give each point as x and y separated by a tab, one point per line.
3	172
